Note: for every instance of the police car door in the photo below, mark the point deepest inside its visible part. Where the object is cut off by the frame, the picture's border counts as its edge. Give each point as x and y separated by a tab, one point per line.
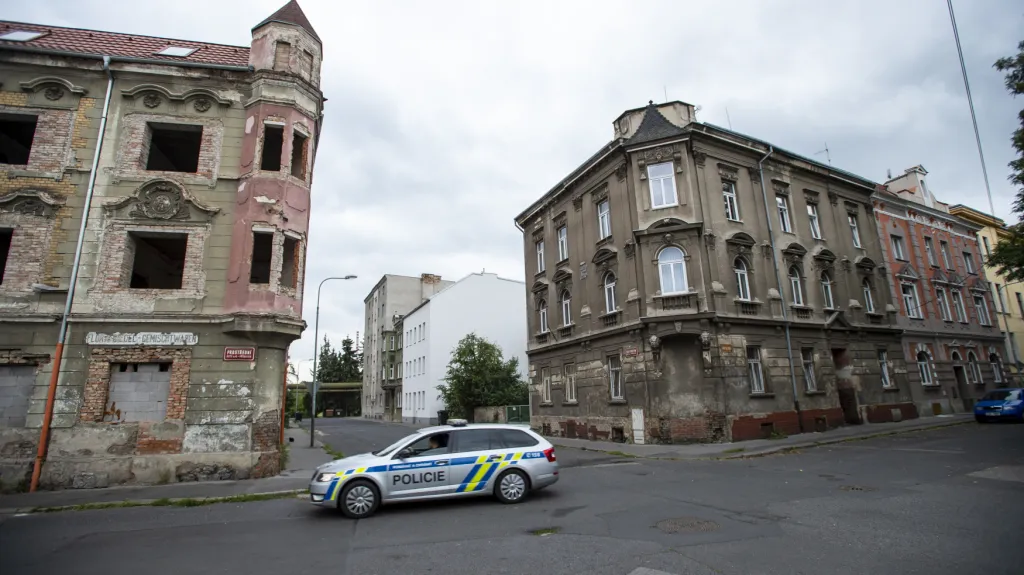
476	456
421	468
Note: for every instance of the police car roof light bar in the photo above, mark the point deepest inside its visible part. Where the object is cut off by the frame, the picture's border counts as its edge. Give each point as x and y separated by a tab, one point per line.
457	422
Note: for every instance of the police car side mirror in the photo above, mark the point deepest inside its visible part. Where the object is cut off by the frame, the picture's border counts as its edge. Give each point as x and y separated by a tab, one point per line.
405	453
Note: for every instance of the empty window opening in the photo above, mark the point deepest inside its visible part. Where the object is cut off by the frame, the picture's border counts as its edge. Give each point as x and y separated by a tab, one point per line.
273	140
298	155
5	249
174	147
290	267
262	250
16	134
158	261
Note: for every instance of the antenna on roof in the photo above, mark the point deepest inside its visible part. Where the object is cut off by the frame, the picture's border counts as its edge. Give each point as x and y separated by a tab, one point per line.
727	117
888	173
828	156
666	92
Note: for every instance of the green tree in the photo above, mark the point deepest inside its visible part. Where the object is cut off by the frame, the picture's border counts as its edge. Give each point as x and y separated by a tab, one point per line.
478	375
349	363
1008	255
328	365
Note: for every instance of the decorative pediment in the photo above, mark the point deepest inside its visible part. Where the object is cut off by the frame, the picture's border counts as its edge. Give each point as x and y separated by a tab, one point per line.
667	223
561	276
837	319
955	279
30	202
811	196
740	244
908	272
976	285
939	277
559	218
152	94
54	87
605	255
161	200
794	253
728	173
865	263
824	259
540	287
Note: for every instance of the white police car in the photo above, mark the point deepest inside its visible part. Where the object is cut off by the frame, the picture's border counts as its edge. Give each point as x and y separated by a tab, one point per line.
455	460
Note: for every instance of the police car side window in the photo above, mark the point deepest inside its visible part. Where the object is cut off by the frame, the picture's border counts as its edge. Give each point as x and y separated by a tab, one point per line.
435	444
476	440
512	439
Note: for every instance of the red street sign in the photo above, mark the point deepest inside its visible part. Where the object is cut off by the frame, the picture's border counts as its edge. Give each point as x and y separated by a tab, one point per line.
239	354
632	352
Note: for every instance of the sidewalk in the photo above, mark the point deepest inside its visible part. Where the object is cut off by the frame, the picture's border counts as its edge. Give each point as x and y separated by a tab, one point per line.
302	461
762	446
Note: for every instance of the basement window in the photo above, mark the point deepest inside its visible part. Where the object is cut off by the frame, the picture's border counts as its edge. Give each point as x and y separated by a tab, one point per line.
290	263
262	251
273	142
16	134
298	155
5	250
159	260
174	147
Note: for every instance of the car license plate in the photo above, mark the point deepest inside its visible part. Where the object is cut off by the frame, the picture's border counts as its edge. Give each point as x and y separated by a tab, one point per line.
994	413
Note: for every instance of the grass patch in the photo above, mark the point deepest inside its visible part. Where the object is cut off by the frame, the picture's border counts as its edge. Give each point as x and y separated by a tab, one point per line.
167	502
545	531
333	452
285	455
735	450
619	454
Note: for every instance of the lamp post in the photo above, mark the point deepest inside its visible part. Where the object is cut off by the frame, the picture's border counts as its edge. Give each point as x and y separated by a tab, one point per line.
316	343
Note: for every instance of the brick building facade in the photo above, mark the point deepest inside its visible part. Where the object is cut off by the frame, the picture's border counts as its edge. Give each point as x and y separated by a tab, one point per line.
190	279
688	283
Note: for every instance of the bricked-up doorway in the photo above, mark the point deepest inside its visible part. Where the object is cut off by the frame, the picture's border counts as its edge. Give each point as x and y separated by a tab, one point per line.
118	373
845	387
16	383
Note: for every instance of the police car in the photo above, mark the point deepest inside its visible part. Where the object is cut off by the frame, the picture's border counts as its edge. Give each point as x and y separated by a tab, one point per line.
454	460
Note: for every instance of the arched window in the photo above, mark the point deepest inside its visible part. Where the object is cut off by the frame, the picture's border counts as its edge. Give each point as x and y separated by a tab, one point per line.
869	297
566	308
924	367
542	315
955	357
826	291
997	367
796	285
742	279
609	293
973	369
672	271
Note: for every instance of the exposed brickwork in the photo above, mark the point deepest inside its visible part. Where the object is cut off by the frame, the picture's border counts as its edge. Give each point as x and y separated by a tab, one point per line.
759	426
30	246
268	465
149	445
52	141
266	431
134	150
884	413
97	385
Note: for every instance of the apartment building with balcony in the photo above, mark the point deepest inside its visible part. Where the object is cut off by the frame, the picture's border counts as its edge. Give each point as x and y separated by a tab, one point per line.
690	283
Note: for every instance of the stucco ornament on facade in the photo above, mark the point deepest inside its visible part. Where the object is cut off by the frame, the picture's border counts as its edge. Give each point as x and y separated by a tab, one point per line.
142	338
151	100
202	104
161	200
30	202
54	93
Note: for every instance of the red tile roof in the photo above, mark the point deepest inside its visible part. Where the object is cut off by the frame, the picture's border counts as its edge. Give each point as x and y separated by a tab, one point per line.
125	45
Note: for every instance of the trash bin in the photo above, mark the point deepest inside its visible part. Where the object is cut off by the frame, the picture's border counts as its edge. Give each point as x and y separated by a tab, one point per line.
298	416
442	417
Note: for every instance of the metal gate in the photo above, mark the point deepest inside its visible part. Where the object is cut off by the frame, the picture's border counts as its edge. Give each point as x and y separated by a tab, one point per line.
517	414
15	390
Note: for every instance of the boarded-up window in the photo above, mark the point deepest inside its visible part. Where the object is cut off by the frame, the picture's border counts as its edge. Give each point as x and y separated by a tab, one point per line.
298	155
306	64
262	250
273	142
138	392
282	52
290	263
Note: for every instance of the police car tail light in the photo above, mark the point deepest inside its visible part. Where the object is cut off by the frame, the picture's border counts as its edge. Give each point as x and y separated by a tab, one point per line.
550	454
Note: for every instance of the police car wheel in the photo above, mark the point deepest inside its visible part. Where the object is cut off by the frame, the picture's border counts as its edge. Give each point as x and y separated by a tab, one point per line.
359	499
512	486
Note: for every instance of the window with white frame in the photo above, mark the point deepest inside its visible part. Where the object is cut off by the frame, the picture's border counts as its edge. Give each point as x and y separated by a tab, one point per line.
672	271
741	270
813	221
732	205
615	377
869	296
826	291
663	185
924	367
563	243
566	308
542	315
958	306
391	372
754	369
545	385
929	250
981	307
604	219
898	251
796	286
807	355
910	301
782	203
973	369
610	304
854	229
940	299
883	368
969	262
540	256
569	382
997	364
946	260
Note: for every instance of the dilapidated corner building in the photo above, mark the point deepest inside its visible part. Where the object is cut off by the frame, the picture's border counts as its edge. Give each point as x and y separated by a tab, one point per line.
663	272
190	283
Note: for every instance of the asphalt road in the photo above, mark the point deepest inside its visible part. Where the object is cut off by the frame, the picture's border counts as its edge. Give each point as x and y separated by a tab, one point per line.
934	502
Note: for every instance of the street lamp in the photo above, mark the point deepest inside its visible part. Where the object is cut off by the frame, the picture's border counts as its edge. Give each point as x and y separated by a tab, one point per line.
316	342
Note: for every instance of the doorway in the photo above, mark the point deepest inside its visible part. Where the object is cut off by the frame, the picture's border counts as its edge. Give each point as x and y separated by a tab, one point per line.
845	387
961	387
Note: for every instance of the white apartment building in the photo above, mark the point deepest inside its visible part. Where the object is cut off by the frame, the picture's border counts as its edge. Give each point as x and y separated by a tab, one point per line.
481	303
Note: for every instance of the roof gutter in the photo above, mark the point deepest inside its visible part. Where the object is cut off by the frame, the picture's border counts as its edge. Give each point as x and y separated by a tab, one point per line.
565	184
126	59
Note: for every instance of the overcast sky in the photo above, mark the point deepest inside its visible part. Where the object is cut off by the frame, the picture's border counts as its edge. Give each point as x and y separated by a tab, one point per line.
446	119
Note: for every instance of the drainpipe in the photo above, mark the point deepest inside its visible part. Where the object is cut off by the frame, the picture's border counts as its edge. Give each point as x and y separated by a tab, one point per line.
44	434
782	292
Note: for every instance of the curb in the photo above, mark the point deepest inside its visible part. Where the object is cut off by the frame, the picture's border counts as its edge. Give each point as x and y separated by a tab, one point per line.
768	450
160	502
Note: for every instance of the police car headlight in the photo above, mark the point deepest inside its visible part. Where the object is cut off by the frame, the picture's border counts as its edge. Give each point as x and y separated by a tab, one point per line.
323	477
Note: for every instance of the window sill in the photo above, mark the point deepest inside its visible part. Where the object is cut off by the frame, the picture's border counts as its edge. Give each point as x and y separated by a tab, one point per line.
604	240
931	386
666	206
819	392
764	395
617	402
891	388
545	404
570	402
562	262
540	274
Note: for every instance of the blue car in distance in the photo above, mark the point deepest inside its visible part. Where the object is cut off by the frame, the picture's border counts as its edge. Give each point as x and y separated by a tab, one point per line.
998	404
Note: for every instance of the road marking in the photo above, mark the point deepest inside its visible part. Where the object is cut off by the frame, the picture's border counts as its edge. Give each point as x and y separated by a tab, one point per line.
646	571
1002	473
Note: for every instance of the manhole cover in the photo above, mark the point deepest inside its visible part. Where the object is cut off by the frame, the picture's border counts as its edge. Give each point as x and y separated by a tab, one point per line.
856	488
687	525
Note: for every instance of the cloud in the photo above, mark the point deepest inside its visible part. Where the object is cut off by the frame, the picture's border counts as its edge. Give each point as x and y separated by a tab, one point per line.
446	119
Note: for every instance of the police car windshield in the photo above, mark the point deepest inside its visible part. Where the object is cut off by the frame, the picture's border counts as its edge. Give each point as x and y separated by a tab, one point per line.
389	449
